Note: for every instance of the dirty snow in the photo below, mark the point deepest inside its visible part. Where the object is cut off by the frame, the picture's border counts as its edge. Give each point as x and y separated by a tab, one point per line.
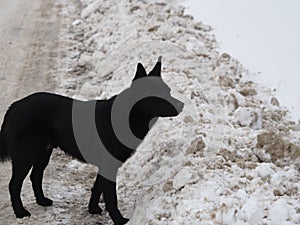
214	163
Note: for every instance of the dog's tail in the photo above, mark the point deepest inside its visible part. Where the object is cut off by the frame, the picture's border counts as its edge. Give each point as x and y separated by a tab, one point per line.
3	150
4	155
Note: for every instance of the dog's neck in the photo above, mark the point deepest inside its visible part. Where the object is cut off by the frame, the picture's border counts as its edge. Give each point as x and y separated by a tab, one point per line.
140	122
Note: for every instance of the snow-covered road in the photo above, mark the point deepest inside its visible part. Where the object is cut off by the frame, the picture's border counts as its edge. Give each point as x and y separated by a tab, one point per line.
29	32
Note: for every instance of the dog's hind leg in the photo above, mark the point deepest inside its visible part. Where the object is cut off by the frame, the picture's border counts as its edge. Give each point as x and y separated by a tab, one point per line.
36	177
20	168
95	197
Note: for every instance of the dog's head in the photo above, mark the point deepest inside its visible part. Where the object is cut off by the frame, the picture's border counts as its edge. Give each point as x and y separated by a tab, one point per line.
159	102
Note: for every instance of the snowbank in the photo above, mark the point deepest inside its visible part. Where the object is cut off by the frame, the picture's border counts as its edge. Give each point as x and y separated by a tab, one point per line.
231	157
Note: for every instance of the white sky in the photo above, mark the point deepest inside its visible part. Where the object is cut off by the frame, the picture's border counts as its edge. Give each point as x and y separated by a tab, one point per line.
264	35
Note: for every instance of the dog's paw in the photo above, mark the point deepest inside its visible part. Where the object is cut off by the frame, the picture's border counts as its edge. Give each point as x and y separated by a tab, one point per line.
44	202
22	213
122	221
95	209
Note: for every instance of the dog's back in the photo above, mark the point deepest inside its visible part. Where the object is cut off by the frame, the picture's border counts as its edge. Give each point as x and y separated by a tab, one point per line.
36	116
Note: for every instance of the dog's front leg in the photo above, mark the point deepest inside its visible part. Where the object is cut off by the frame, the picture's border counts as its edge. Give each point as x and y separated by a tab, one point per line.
95	197
111	202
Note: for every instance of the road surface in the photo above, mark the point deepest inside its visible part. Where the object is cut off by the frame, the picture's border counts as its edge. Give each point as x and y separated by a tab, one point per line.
29	35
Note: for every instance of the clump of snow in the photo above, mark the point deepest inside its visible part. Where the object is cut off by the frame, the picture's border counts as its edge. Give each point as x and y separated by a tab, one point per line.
231	156
182	178
249	117
279	150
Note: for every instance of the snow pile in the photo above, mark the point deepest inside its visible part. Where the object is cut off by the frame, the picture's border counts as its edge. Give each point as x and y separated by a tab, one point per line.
231	157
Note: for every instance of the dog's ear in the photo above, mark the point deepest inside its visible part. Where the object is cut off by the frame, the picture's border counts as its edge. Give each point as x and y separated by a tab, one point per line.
156	71
140	72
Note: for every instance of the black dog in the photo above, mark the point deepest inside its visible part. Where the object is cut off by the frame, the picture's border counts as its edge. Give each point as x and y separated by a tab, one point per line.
34	125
